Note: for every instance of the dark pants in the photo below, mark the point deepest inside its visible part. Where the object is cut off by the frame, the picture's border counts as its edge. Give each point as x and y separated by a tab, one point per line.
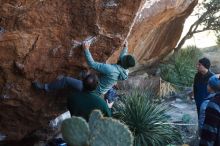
76	85
111	95
65	82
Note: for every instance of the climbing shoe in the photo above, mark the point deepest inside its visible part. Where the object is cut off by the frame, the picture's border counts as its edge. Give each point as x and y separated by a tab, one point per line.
39	86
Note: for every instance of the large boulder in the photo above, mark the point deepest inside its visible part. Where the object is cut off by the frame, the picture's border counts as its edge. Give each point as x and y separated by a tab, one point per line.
38	41
157	30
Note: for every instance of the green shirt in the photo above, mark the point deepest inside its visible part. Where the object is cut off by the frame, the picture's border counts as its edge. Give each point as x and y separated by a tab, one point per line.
83	103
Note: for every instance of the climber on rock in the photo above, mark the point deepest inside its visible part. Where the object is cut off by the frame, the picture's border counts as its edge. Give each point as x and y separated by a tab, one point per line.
109	73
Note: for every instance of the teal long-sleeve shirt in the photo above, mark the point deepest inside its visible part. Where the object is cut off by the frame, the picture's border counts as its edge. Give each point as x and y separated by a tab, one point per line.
109	73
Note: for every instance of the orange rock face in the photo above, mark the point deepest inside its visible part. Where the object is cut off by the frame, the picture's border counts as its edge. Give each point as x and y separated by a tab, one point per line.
157	29
39	40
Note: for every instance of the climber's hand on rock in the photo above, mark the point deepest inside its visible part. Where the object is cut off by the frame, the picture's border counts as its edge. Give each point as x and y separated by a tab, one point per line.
86	45
125	44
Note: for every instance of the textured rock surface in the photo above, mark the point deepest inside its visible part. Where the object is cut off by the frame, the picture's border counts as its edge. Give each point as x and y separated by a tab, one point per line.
37	39
157	29
36	43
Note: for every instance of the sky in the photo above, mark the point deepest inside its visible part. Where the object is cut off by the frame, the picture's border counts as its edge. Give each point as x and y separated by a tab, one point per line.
201	40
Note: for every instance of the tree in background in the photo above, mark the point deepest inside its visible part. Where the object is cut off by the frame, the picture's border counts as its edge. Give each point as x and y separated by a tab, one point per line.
208	19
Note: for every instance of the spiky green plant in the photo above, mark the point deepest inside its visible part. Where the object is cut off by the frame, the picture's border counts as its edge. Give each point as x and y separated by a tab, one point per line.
144	119
180	68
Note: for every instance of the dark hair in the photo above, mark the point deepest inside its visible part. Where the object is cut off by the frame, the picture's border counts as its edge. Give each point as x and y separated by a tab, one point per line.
205	62
127	61
90	82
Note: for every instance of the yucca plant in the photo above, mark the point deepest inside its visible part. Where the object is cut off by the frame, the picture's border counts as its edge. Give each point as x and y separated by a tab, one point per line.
180	68
145	120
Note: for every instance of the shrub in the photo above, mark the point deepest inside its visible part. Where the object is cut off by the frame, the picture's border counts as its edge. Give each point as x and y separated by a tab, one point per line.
180	68
144	119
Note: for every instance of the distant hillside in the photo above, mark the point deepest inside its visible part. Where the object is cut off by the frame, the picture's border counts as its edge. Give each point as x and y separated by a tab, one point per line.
213	53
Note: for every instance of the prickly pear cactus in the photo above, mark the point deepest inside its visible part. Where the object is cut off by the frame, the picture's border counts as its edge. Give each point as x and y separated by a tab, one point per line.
95	117
75	131
108	132
101	131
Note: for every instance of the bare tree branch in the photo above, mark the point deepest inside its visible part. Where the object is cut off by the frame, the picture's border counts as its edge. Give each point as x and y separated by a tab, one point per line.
208	20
